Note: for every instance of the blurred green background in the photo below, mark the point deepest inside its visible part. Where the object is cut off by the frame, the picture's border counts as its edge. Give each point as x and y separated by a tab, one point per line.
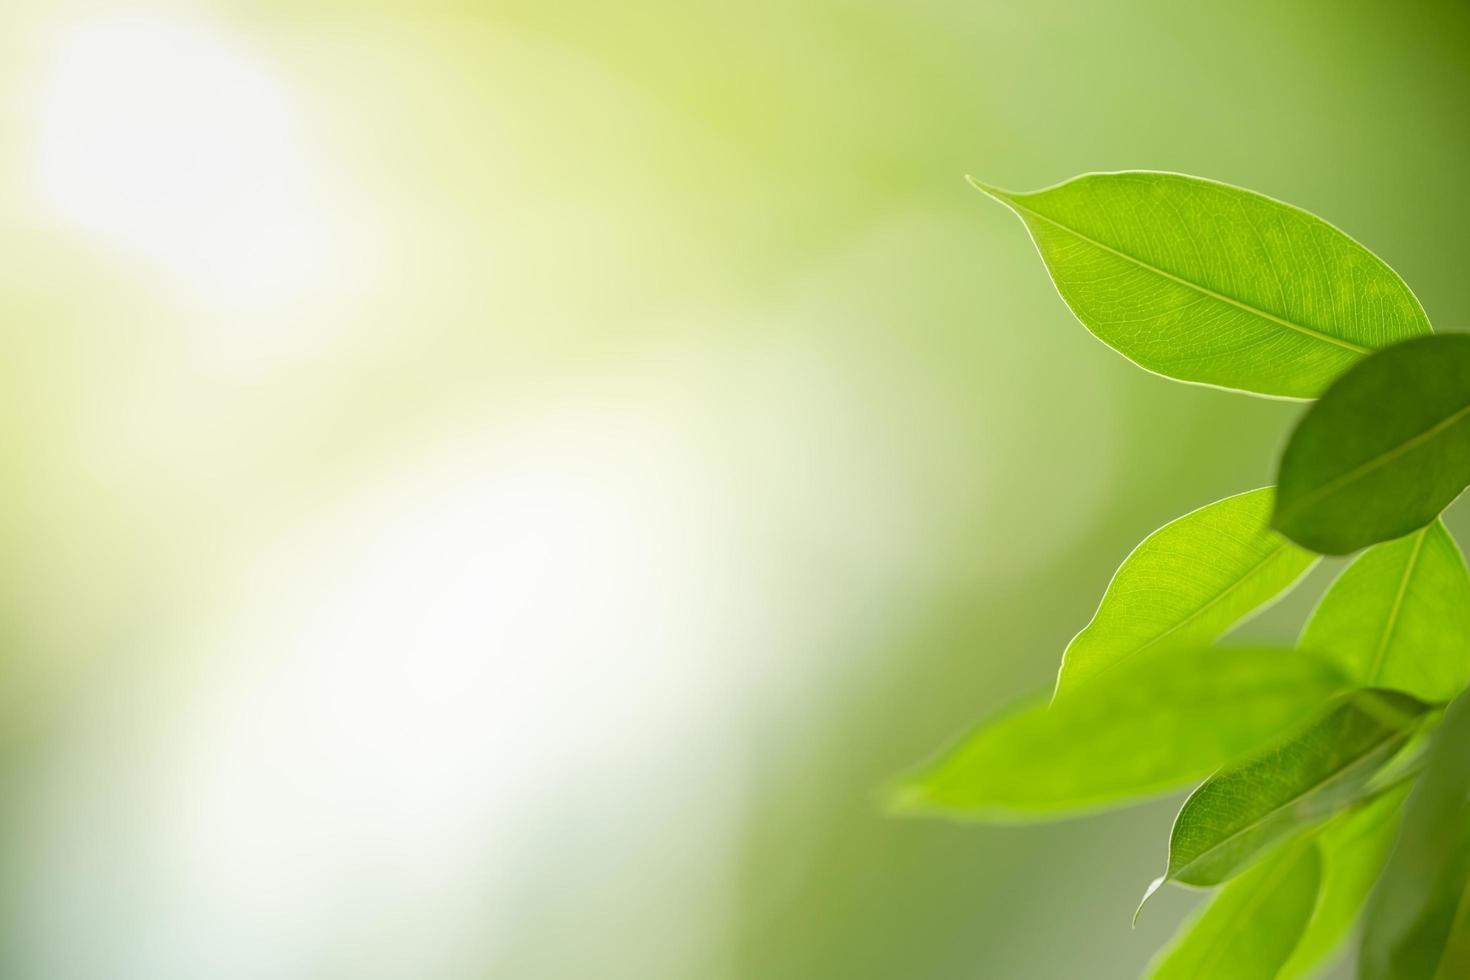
493	490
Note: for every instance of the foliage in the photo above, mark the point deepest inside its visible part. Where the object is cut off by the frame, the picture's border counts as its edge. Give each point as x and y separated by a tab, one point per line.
1307	755
1212	284
1151	726
1385	450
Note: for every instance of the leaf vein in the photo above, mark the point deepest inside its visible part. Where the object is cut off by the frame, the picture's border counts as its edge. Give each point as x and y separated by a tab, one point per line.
1213	294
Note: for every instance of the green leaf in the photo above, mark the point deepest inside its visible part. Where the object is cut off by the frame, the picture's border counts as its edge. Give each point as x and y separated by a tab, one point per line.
1433	943
1208	283
1154	725
1241	811
1384	452
1186	584
1399	616
1354	847
1249	929
1416	927
1454	961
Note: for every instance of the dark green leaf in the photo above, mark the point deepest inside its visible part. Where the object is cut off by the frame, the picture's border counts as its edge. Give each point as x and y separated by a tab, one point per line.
1249	929
1385	450
1187	583
1416	926
1241	811
1153	725
1208	283
1399	616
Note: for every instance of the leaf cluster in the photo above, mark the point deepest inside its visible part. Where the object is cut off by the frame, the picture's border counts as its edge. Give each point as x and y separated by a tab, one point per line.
1331	779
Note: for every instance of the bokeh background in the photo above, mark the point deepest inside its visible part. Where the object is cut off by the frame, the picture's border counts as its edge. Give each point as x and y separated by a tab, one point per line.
494	490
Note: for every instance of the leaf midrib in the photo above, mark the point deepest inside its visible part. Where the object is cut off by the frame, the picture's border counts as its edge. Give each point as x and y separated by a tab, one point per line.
1382	459
1214	601
1376	668
1204	290
1346	768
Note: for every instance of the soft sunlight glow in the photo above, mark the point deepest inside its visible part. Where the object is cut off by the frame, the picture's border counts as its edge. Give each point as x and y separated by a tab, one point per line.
168	140
511	624
440	720
500	649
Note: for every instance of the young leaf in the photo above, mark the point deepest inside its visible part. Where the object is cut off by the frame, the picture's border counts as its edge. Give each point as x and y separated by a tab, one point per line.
1385	450
1242	810
1186	584
1155	724
1208	283
1354	847
1250	928
1416	927
1399	616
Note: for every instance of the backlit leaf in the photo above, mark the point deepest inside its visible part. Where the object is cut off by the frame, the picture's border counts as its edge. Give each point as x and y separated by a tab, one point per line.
1208	283
1354	847
1384	451
1399	616
1246	808
1248	929
1153	725
1186	584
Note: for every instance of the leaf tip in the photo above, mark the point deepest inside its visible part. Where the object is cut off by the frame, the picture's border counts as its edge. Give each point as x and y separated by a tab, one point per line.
989	190
1148	893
